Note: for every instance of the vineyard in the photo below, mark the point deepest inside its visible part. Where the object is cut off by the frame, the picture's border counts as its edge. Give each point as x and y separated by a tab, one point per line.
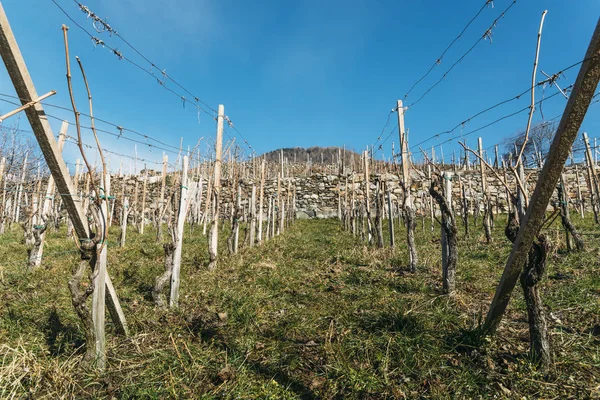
154	269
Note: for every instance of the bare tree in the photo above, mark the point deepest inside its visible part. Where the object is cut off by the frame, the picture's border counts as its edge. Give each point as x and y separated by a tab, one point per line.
537	145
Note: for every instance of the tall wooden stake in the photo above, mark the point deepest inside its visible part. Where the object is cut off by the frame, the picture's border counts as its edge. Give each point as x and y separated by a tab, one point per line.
406	182
261	201
181	213
577	106
143	208
592	178
17	70
99	295
213	239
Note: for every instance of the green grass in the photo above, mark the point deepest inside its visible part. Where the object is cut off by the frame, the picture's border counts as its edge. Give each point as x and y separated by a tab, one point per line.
313	313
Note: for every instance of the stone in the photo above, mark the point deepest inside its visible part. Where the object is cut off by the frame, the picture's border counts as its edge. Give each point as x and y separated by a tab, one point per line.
302	215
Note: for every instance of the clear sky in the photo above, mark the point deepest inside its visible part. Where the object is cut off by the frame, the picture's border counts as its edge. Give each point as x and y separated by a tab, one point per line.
303	73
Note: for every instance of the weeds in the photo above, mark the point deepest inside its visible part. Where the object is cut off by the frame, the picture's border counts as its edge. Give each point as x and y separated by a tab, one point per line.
310	314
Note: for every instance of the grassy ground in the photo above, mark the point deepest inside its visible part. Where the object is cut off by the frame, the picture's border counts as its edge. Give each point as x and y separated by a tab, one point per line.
311	314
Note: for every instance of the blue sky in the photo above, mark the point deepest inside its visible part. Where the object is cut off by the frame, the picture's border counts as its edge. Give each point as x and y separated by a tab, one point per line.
304	73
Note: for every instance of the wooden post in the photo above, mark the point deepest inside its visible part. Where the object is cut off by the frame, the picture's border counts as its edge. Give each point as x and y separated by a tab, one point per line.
353	204
595	154
339	200
563	199
99	295
261	201
447	191
3	204
464	205
283	216
273	217
577	106
484	192
124	216
213	239
86	198
252	216
49	198
390	218
20	189
496	162
236	232
135	199
279	206
268	231
161	202
448	231
143	208
406	182
198	198
379	213
181	212
592	178
208	201
581	205
17	70
367	196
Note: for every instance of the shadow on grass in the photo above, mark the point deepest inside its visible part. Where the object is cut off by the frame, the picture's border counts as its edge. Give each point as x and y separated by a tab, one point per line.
394	321
61	338
140	283
465	340
208	328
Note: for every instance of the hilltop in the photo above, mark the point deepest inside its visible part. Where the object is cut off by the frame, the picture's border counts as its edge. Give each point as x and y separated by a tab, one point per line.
316	154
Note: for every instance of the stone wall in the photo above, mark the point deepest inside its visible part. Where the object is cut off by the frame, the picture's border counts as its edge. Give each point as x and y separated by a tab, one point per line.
317	194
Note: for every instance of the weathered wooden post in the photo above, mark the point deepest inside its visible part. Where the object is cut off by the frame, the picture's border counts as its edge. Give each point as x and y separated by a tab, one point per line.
37	251
208	201
99	295
449	271
288	197
353	205
570	230
592	178
496	161
379	214
367	196
577	106
161	201
213	239
135	204
17	70
485	198
282	214
253	215
3	204
198	198
390	218
181	213
406	182
143	208
236	224
19	193
261	201
276	214
273	216
339	200
580	202
124	217
269	216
